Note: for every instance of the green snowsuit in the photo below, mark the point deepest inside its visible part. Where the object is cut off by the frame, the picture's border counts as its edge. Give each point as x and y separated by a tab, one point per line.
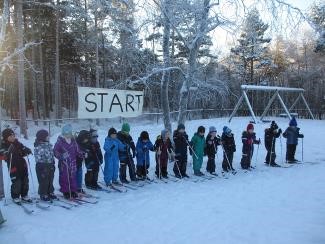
198	144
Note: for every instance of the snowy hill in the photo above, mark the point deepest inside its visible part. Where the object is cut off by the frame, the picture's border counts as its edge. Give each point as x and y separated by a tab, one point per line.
267	205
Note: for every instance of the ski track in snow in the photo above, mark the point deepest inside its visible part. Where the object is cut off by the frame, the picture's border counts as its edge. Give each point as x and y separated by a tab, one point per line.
268	205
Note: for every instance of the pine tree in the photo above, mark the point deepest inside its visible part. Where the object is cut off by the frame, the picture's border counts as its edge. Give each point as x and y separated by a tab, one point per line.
251	48
317	19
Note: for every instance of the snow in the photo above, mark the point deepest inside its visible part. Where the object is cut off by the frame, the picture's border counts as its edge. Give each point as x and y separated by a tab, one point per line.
269	205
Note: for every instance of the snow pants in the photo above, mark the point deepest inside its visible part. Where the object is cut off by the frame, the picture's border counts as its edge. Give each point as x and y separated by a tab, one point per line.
45	176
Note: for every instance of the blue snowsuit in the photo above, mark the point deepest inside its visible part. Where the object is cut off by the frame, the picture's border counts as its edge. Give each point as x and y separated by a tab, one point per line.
111	147
143	158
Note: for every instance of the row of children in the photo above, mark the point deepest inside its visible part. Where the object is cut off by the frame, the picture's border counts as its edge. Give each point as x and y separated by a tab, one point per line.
120	151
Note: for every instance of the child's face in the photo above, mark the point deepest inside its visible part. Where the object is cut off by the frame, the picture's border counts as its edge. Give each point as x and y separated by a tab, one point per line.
213	134
113	136
251	131
181	131
167	135
145	140
201	133
11	138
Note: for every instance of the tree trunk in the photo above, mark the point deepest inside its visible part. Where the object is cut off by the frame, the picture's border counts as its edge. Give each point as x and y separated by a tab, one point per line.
57	68
34	79
166	74
21	75
4	21
193	48
41	81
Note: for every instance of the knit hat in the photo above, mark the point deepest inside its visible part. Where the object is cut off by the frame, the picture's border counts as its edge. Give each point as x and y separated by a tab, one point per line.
293	122
93	133
164	133
112	131
212	129
274	126
83	136
67	130
181	127
6	133
250	126
201	129
41	135
126	127
226	130
144	135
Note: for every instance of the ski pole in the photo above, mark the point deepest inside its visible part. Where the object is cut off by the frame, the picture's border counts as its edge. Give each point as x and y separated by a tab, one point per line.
191	148
8	185
224	151
179	172
159	163
281	150
258	147
302	150
270	158
31	176
176	162
145	165
101	167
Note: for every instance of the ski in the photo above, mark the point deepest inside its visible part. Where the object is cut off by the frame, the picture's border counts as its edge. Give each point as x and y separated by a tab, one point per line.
130	187
175	179
25	208
70	201
42	205
85	201
199	178
87	195
162	180
58	204
136	184
117	189
207	177
224	175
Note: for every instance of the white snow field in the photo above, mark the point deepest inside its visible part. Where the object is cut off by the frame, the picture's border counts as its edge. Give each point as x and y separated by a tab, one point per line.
267	205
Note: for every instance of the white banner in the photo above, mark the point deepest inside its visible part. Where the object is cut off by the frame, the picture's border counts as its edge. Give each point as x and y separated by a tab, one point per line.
108	103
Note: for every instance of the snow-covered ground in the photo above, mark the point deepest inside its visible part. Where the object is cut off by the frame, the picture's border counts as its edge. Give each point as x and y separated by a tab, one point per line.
269	205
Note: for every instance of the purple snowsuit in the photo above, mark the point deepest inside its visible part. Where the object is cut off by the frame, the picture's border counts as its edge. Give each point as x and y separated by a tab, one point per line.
67	155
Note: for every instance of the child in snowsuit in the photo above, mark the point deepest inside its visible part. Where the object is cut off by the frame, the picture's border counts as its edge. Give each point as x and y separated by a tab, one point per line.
45	165
248	139
269	139
212	143
84	145
181	143
198	145
126	158
163	148
112	147
144	145
18	169
292	134
66	150
229	147
93	161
